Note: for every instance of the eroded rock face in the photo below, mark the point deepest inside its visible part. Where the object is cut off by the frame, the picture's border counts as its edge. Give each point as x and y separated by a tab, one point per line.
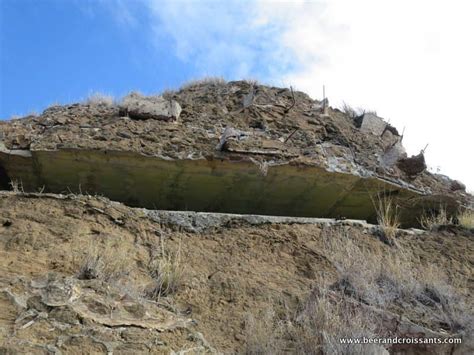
139	107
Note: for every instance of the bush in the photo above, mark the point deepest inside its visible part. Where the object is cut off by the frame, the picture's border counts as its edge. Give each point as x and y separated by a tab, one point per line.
106	263
466	218
167	272
387	215
433	220
98	98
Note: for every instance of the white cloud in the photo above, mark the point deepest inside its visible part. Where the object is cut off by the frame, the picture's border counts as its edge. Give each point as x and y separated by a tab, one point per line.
216	38
412	61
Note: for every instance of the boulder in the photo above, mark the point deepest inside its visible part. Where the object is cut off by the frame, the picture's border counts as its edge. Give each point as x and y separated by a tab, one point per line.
371	123
457	185
395	153
140	107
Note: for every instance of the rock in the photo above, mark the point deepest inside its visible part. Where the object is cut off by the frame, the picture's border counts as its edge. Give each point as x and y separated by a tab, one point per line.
371	123
393	155
230	133
457	185
412	166
140	107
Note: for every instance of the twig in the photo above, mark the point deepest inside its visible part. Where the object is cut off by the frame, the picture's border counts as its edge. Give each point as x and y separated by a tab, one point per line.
291	135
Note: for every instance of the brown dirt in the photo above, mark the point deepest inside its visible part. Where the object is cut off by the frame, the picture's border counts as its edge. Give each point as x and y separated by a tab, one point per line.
230	273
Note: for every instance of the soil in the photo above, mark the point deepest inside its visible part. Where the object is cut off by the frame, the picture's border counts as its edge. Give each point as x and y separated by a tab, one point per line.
231	272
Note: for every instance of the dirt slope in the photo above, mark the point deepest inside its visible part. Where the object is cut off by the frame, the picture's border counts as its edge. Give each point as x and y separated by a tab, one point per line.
231	276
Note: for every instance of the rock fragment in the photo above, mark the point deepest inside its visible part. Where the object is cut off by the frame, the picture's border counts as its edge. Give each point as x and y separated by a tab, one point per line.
140	107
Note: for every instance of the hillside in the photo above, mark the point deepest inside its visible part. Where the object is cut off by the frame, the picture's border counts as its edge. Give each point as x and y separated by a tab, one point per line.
78	275
236	147
227	217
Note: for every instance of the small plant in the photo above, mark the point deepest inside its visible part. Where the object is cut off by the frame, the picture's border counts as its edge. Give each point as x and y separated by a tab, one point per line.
263	333
167	272
387	214
355	112
98	98
17	186
213	80
466	218
435	219
108	263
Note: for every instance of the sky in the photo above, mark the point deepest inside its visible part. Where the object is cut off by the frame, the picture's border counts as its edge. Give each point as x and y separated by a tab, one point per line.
409	60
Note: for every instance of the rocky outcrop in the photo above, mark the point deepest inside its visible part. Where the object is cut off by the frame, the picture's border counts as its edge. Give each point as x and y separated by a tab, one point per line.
272	153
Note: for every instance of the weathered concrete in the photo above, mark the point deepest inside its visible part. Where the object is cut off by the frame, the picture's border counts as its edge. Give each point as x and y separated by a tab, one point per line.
196	222
393	155
216	185
371	123
141	107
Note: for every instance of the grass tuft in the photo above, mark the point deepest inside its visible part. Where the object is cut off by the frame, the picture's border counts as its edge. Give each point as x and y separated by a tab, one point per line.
387	213
167	272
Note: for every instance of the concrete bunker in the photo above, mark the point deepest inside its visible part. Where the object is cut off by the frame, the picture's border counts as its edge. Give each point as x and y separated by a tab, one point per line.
210	185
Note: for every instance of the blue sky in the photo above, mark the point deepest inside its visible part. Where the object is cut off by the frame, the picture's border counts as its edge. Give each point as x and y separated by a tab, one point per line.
60	51
63	50
411	61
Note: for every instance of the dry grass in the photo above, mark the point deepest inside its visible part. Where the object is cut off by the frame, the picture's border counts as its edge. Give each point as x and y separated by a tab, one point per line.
387	214
355	112
106	262
369	281
16	186
264	333
98	98
433	220
393	279
167	272
466	218
210	80
314	329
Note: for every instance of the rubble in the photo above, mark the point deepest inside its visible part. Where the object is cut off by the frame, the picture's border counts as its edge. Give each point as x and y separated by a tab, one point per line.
197	148
140	107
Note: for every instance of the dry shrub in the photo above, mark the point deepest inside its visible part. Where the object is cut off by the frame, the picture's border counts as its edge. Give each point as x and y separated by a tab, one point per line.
433	220
394	278
209	80
98	98
355	113
109	262
167	272
263	333
324	320
387	215
316	328
466	218
17	186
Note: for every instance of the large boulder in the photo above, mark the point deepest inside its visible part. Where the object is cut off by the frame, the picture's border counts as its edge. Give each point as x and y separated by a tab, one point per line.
371	123
139	107
393	154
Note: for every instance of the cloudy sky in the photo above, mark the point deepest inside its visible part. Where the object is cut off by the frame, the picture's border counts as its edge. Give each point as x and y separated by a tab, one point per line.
410	60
